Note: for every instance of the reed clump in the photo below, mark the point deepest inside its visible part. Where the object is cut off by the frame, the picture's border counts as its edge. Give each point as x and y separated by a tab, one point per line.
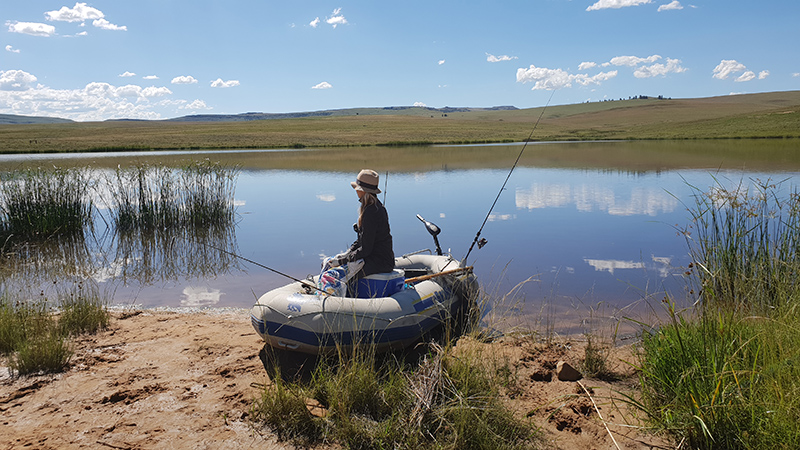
725	374
445	401
152	198
40	203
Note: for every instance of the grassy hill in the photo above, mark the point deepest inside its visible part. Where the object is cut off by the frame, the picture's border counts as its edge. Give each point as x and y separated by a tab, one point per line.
766	115
6	119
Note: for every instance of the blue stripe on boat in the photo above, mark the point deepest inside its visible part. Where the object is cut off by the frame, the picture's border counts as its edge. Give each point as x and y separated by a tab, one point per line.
380	336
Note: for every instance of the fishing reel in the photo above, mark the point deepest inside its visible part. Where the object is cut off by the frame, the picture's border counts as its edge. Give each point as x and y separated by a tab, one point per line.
434	230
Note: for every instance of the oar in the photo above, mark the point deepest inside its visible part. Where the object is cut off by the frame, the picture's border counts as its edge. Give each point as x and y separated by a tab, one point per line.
434	275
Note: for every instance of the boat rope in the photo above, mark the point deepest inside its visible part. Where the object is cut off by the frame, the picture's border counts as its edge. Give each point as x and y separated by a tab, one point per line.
503	187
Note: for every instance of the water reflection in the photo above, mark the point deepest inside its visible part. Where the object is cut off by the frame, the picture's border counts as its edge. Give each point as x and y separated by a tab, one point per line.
200	296
591	222
148	257
588	198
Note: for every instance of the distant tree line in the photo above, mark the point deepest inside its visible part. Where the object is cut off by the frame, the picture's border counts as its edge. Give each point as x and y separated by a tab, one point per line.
635	97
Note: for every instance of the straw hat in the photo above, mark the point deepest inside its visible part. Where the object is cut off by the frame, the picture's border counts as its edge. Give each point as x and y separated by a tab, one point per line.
367	181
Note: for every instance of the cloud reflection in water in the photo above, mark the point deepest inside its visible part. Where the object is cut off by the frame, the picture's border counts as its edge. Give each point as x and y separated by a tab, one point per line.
592	197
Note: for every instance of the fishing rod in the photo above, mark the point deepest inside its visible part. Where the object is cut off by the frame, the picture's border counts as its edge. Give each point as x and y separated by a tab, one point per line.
482	242
305	283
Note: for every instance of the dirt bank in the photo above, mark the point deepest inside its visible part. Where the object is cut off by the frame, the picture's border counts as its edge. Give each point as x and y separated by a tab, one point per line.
183	380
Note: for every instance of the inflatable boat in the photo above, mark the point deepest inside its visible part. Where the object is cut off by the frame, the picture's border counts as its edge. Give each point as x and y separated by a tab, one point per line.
425	291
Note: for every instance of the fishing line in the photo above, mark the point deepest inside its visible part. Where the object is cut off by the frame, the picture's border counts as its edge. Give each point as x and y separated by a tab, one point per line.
503	187
305	283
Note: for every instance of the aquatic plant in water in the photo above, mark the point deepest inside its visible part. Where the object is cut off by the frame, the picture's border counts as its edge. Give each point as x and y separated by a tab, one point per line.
41	203
153	198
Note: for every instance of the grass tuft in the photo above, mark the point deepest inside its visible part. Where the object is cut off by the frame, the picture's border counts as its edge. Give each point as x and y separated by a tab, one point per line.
35	340
446	401
83	310
725	375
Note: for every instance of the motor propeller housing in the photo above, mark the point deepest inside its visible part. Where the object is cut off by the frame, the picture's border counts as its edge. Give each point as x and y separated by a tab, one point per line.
434	230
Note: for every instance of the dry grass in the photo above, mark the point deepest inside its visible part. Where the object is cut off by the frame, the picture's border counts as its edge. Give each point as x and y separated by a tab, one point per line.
768	115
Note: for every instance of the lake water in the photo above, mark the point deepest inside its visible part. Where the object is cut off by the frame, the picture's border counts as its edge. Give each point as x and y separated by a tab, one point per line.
594	226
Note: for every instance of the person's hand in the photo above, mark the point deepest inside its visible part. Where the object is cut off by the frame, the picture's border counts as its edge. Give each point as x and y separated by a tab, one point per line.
341	261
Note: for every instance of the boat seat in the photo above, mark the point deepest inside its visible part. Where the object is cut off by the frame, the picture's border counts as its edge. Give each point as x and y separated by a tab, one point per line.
381	284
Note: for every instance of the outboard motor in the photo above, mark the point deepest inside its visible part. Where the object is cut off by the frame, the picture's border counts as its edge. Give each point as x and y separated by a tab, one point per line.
434	231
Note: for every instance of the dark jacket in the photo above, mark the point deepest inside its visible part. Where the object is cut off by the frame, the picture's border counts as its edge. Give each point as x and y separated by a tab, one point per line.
374	244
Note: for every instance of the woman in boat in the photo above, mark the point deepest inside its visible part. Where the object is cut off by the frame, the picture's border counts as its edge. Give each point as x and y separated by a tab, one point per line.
374	243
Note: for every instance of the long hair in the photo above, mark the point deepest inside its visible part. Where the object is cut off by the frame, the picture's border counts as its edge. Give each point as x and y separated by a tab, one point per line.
367	200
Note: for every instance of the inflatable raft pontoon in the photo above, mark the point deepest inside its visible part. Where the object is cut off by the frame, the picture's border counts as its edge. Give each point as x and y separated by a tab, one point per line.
295	317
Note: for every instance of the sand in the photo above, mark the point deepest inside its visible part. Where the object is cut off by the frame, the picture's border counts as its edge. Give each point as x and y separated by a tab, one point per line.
158	379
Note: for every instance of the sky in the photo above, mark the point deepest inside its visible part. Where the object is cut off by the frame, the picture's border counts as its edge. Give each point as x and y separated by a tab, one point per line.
159	59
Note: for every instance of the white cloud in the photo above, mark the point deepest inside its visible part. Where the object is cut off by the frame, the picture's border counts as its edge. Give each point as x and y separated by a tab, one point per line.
184	79
218	83
336	18
197	104
15	80
328	197
150	77
441	61
127	74
11	49
587	65
78	13
31	28
103	24
544	78
96	101
616	4
796	74
492	58
674	5
672	66
727	67
154	91
420	105
746	76
323	85
633	61
730	67
314	23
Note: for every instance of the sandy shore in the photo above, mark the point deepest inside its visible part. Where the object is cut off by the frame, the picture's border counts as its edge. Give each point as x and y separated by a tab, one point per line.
185	380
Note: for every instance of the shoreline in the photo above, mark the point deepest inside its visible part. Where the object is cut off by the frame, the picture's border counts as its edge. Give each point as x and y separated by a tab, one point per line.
157	379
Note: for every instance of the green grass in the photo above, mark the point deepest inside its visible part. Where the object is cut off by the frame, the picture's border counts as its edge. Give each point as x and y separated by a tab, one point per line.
35	339
725	374
40	203
446	401
83	309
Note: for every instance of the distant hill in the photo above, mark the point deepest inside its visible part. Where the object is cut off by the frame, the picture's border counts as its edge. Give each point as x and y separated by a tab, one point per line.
11	119
389	110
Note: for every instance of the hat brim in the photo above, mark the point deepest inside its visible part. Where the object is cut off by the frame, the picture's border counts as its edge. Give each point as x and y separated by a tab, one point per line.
361	188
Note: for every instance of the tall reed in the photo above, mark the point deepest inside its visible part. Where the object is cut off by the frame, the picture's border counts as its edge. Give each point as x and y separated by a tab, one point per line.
154	198
40	203
725	374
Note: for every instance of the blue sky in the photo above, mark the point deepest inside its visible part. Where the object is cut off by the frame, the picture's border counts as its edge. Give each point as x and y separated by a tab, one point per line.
156	59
